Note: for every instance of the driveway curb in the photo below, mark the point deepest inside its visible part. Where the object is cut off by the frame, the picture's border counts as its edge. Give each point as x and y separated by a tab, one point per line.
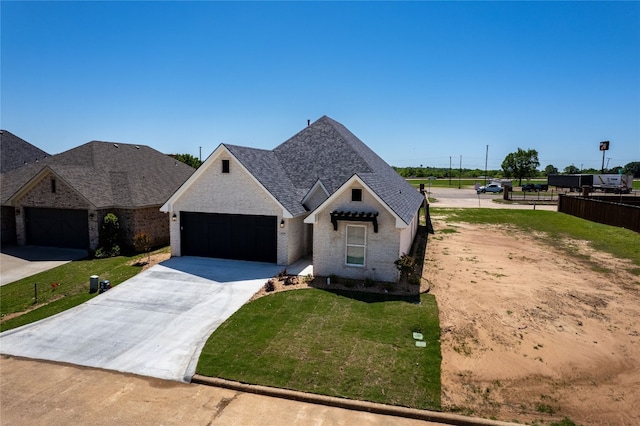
371	407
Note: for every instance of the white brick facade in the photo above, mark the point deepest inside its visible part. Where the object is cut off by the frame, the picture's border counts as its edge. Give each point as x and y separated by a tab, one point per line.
236	192
329	246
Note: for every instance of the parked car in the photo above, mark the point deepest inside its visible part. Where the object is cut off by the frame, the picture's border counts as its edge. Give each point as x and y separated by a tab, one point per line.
493	187
528	187
542	187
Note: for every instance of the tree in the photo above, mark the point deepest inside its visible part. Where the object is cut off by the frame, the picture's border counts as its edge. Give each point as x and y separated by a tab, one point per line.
632	168
521	164
550	170
188	159
571	170
142	242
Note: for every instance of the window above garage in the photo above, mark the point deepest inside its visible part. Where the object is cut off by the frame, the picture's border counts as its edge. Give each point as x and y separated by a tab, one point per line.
225	166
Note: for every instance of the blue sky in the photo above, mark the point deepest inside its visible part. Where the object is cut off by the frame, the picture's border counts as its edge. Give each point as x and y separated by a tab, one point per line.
419	82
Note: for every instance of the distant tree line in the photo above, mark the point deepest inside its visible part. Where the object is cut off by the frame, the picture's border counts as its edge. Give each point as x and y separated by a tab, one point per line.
522	164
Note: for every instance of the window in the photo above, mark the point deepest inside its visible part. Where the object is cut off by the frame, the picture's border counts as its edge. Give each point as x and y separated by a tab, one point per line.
225	166
356	244
356	194
53	186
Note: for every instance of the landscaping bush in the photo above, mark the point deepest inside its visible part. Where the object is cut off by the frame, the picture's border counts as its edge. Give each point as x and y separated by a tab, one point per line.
269	286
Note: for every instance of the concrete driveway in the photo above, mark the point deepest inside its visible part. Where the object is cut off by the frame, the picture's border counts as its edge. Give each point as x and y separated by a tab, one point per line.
154	324
17	262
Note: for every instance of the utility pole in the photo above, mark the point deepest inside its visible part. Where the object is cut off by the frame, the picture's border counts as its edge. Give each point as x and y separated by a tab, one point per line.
460	174
449	170
200	155
486	158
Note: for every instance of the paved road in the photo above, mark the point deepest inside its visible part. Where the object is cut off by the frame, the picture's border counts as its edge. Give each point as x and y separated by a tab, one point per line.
154	324
468	198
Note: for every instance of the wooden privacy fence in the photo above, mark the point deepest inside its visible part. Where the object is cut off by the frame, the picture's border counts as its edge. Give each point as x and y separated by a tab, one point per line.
616	211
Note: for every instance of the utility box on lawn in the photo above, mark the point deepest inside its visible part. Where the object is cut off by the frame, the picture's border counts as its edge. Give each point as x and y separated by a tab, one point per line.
93	283
104	286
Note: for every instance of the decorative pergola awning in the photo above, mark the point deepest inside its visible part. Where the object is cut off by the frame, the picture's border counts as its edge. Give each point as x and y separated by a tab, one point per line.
354	217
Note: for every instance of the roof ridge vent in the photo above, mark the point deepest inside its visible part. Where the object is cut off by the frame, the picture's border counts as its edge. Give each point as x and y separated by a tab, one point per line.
116	145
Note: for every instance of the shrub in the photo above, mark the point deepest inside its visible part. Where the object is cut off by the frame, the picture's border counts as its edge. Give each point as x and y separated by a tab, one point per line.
103	252
406	265
142	242
110	230
269	286
308	279
415	280
368	282
290	280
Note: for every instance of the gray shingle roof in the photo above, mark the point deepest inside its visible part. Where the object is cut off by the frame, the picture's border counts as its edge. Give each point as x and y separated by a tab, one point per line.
109	174
16	152
328	151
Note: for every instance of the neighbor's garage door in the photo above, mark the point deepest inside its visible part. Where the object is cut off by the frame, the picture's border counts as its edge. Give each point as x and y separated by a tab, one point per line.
57	227
229	236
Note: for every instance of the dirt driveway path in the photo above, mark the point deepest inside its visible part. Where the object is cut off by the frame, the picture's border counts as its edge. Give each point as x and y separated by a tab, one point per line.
531	333
51	394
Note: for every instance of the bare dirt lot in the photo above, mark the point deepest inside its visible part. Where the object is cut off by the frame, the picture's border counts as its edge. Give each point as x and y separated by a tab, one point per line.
532	333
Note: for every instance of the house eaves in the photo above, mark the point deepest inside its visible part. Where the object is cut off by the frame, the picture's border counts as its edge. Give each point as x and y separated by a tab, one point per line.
243	157
37	178
311	219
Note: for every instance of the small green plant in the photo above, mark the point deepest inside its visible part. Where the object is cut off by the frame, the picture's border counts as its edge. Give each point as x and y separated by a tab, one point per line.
545	408
564	422
308	279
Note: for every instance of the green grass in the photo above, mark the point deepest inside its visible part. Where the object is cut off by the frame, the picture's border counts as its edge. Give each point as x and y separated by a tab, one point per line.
73	288
465	182
444	183
619	242
345	344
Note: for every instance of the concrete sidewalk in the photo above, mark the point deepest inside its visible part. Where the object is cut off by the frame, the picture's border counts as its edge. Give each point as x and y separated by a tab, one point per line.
154	324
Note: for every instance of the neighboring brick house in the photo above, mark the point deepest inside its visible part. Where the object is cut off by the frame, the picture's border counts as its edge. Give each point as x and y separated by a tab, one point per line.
14	153
323	192
61	200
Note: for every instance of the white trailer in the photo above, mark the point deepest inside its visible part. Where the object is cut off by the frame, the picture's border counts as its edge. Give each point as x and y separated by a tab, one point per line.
613	183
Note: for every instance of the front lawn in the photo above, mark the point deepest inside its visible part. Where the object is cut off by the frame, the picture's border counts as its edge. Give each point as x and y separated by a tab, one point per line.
345	344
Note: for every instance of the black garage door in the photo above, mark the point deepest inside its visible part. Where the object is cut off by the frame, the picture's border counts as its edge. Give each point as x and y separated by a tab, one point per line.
229	236
57	227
